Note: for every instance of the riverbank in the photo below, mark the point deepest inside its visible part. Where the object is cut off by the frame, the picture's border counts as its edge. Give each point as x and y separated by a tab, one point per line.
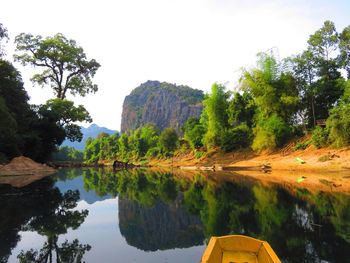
315	169
308	160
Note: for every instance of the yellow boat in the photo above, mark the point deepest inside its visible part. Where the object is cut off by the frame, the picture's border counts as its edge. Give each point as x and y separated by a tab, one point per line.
238	249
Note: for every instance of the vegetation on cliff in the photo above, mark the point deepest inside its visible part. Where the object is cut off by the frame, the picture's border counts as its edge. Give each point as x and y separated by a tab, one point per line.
276	101
164	104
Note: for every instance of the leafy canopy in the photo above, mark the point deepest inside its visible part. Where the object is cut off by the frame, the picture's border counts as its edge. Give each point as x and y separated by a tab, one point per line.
64	64
64	114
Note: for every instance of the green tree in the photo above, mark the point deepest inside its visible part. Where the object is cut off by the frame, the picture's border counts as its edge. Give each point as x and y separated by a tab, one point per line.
64	114
215	107
66	153
241	109
329	85
275	95
124	147
8	132
338	125
65	66
273	90
3	36
168	140
304	70
194	132
344	46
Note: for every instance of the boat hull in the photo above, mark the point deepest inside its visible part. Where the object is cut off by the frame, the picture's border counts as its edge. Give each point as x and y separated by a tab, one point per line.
238	249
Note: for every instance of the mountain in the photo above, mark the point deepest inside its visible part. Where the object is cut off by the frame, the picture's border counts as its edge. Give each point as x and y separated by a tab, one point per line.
161	103
92	131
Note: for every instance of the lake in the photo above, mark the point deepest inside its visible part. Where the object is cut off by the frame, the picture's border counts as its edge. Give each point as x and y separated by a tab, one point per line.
141	215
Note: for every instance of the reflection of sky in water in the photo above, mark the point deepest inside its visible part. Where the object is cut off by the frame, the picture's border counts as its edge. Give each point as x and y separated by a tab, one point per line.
307	227
101	231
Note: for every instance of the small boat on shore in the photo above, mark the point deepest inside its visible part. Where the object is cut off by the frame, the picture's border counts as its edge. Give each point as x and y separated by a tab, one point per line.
238	249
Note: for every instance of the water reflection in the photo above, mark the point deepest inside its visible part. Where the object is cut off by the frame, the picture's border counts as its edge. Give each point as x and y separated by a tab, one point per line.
160	211
300	225
43	209
161	226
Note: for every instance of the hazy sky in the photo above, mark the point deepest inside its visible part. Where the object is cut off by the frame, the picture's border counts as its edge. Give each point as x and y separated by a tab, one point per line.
191	42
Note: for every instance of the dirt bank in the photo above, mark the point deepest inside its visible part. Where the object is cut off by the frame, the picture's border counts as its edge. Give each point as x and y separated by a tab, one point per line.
22	171
315	169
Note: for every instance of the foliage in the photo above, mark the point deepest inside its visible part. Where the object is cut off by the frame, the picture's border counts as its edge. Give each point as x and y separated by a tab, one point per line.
276	97
65	66
199	154
64	113
338	125
194	132
8	131
241	109
319	137
270	133
317	70
3	35
236	138
302	145
66	153
32	134
103	147
216	112
168	140
344	47
273	91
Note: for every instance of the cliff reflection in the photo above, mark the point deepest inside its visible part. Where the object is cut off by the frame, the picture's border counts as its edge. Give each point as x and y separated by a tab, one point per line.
162	226
160	211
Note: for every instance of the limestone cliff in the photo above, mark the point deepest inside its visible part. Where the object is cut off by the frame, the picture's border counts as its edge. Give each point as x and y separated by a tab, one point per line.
161	103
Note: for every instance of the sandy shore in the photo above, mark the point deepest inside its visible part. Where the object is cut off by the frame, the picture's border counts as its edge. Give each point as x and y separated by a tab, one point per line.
315	169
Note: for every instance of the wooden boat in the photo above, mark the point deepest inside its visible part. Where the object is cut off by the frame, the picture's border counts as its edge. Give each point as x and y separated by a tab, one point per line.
238	249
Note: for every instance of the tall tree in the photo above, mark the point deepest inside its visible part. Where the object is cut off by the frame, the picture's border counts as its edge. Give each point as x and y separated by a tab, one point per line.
276	96
64	113
323	45
168	140
304	70
216	112
344	46
3	36
64	64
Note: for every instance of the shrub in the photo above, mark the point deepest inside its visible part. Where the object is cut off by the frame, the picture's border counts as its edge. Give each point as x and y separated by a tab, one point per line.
236	138
302	145
198	154
270	133
319	137
168	140
338	125
194	132
153	152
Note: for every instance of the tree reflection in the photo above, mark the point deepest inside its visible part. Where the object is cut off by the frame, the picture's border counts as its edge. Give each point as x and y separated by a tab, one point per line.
55	221
139	185
308	229
301	226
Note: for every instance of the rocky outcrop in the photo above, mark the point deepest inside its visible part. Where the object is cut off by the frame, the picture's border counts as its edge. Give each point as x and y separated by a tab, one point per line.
161	103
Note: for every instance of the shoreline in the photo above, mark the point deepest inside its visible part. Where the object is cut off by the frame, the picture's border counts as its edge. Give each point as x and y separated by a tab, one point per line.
316	172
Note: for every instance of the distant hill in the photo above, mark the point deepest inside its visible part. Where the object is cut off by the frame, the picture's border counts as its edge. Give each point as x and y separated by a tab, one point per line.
161	103
92	131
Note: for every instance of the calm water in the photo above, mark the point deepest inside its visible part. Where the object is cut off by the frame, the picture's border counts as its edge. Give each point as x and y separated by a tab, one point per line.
145	216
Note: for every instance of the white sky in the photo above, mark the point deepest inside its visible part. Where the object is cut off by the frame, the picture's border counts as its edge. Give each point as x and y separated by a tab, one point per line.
191	42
